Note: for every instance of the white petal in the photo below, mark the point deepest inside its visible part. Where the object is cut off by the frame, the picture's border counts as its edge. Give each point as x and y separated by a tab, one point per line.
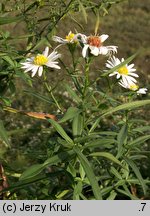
118	76
131	69
59	40
131	79
103	37
116	61
40	71
112	74
34	71
130	66
55	66
31	68
94	50
103	50
84	50
26	64
123	84
45	53
53	56
109	65
133	74
82	38
124	80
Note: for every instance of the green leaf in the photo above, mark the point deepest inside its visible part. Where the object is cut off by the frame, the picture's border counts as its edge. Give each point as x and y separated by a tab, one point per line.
61	131
31	172
39	96
72	93
112	195
62	194
70	114
139	140
23	183
126	194
77	125
115	173
127	106
106	190
136	181
77	191
85	138
7	20
25	77
9	61
3	134
141	129
37	168
137	172
83	10
59	157
106	155
82	172
89	172
100	142
121	139
95	124
106	133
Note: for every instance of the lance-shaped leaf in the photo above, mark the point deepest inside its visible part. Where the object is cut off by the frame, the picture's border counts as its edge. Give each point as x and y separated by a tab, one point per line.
106	155
137	173
89	172
70	114
38	168
61	131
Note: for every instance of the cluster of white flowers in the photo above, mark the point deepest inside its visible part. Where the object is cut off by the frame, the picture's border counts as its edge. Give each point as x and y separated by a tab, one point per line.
91	45
125	74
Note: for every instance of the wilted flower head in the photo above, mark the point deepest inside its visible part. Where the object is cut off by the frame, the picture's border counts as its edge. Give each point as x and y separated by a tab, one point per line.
70	38
125	72
142	91
36	64
133	87
95	45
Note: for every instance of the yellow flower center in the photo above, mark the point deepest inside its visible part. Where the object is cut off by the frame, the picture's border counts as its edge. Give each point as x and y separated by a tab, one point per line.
40	60
123	70
133	87
94	41
70	37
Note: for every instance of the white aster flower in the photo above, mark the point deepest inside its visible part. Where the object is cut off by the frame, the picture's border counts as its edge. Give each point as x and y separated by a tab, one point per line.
133	87
36	64
95	45
70	38
125	72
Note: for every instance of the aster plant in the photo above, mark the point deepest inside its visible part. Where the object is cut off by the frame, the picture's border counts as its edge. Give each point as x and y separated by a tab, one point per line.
86	145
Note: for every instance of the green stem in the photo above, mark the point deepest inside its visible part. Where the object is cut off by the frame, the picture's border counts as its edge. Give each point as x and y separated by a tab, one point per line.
86	81
49	90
